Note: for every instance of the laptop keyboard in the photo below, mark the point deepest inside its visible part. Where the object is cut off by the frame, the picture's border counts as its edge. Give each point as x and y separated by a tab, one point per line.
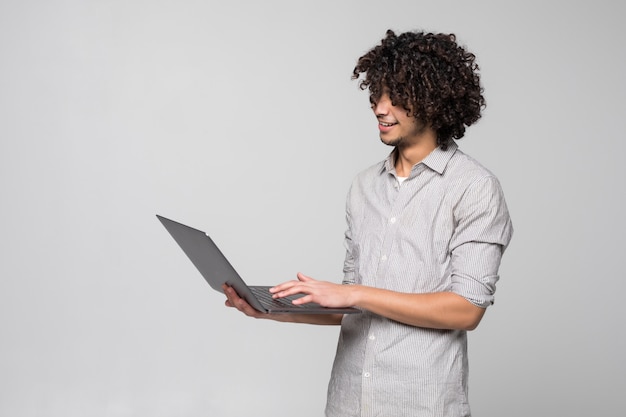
265	297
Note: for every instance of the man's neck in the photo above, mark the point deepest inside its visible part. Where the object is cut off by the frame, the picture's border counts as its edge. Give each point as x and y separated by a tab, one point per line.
408	156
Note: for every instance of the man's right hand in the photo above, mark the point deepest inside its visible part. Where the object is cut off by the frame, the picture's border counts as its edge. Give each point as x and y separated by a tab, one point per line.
234	300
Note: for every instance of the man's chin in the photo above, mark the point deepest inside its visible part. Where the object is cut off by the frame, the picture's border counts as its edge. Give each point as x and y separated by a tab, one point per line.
391	142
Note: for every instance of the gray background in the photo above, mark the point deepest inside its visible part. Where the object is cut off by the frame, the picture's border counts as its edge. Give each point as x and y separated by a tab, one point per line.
241	119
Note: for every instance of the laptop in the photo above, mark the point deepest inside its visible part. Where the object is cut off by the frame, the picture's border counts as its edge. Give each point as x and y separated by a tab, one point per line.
217	270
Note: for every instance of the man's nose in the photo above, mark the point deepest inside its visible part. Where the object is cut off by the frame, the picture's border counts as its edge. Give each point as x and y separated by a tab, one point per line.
381	107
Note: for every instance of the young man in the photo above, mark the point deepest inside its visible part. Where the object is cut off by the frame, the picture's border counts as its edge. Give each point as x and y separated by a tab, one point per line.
427	228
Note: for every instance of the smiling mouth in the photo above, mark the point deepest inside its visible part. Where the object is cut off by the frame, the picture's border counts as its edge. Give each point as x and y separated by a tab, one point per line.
386	124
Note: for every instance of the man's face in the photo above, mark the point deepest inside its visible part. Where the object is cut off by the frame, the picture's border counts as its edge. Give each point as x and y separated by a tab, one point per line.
395	126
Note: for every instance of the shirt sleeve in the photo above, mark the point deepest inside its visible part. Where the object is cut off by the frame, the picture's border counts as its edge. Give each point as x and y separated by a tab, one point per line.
483	231
348	265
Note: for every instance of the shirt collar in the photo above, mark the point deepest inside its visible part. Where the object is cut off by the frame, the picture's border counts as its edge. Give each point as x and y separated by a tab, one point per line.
437	160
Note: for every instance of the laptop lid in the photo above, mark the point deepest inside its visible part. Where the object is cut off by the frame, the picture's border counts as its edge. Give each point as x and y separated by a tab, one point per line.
217	271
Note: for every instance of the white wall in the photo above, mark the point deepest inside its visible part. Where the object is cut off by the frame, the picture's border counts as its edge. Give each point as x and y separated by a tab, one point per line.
240	118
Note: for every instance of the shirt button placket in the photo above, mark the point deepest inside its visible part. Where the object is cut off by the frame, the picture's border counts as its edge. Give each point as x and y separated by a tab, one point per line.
367	380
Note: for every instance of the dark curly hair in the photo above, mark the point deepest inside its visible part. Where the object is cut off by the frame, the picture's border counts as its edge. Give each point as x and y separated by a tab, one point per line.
430	76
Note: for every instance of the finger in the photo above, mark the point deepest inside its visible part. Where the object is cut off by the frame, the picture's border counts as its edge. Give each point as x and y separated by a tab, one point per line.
283	286
295	287
229	297
231	294
233	300
242	305
292	287
303	300
303	277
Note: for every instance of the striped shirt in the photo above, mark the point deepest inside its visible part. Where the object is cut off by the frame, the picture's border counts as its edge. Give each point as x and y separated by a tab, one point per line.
443	229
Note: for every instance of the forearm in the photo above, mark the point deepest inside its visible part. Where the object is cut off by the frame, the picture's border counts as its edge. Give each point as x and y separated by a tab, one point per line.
442	310
319	319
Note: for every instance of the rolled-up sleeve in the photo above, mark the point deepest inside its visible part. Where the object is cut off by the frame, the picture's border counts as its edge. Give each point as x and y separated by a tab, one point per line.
483	232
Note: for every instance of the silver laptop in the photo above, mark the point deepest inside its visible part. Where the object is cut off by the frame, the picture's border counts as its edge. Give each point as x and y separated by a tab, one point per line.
216	270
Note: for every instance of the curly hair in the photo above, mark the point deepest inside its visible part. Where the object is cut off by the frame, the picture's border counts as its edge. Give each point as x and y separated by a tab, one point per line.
430	76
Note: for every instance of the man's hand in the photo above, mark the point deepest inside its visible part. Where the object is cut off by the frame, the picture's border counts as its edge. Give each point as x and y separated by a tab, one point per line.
233	300
324	293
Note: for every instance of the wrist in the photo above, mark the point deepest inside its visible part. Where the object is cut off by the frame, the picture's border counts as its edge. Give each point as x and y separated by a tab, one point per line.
356	295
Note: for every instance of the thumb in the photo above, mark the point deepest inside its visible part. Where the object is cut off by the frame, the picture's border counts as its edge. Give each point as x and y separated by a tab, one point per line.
303	278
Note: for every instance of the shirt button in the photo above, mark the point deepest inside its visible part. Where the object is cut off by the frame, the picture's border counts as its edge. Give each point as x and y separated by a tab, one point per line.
366	374
392	220
383	258
372	337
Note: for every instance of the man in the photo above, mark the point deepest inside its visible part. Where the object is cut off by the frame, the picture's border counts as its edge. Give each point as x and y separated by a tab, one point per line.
427	228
